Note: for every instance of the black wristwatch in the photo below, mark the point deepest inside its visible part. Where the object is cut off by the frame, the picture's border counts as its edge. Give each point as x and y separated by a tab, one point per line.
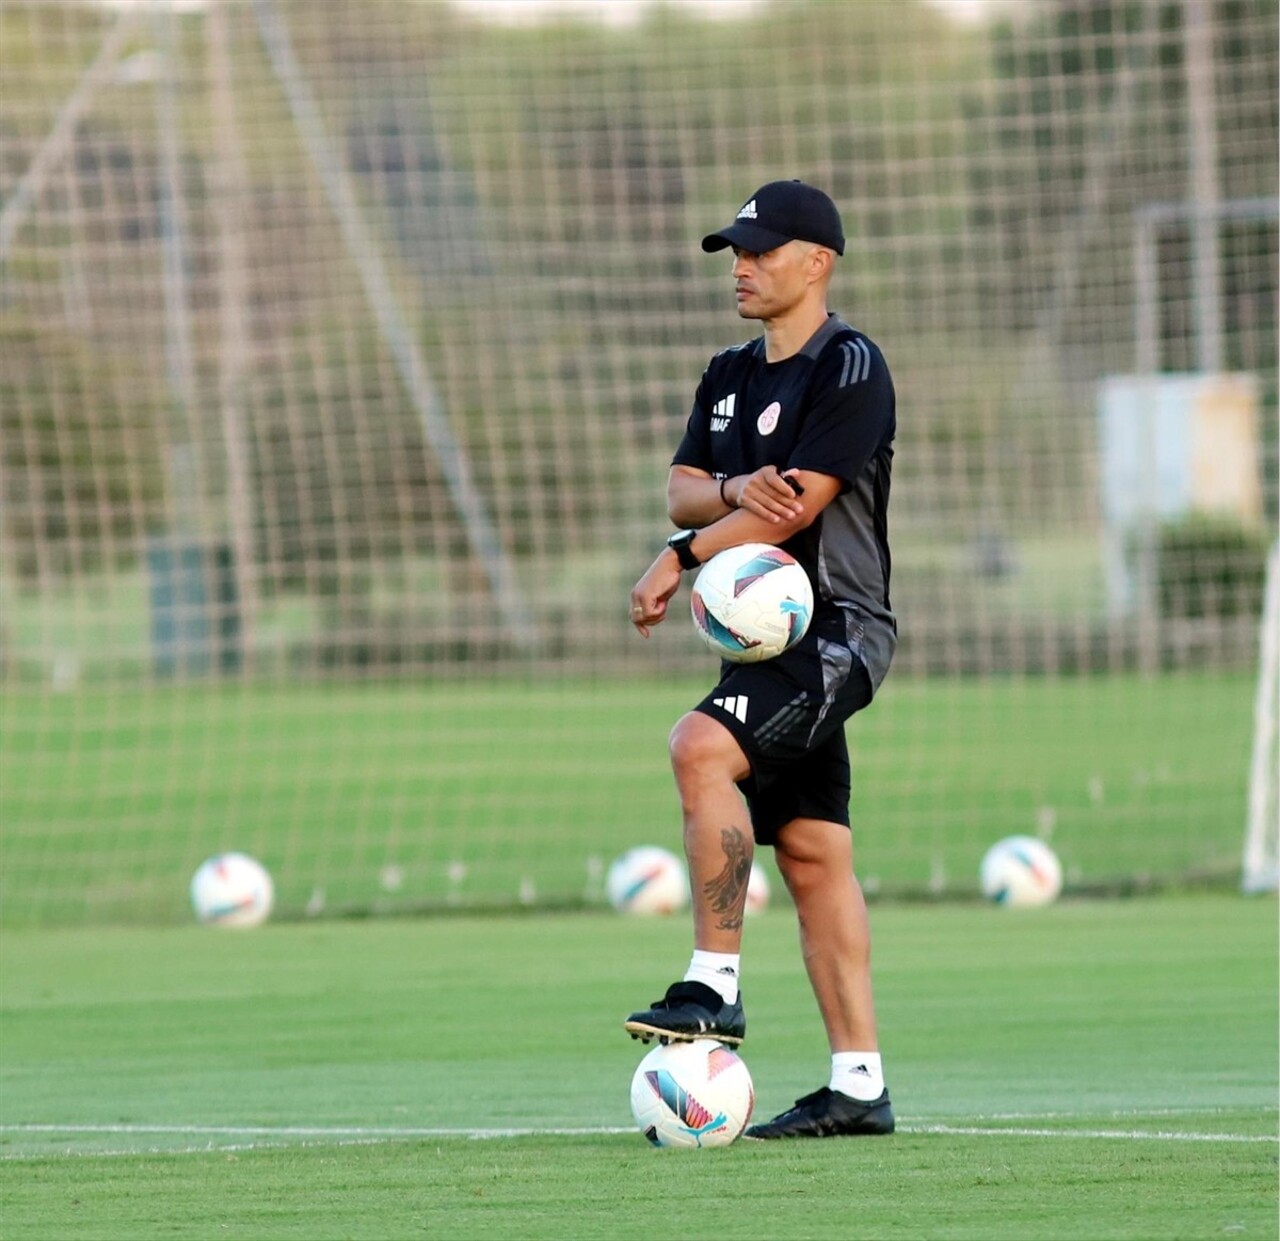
681	543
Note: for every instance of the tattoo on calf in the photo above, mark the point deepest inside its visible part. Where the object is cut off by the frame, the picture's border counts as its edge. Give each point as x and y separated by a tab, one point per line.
728	890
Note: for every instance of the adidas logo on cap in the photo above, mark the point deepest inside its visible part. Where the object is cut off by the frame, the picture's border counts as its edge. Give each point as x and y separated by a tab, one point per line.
779	212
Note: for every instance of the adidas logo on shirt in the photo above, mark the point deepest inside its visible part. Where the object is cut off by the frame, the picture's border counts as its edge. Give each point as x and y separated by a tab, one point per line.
722	414
735	704
749	211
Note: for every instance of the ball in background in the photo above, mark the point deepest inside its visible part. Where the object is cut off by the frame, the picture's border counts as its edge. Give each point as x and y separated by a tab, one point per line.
695	1094
751	603
1021	872
647	880
232	890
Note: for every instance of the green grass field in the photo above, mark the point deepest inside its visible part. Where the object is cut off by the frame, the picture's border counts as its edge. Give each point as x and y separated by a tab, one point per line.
494	794
1097	1069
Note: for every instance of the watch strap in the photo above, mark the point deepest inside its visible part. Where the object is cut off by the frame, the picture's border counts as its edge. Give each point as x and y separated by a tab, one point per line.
681	544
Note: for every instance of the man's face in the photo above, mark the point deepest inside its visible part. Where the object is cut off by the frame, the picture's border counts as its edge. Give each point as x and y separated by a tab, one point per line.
770	284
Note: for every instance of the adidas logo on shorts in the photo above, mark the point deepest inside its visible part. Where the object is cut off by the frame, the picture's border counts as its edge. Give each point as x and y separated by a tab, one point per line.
735	704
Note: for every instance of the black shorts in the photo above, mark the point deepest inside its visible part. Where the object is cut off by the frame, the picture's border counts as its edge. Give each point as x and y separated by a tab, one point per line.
788	715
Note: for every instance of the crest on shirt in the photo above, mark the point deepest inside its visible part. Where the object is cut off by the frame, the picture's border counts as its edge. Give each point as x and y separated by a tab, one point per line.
768	420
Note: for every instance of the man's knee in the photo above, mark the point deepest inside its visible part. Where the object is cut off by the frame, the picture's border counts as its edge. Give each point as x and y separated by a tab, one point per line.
702	749
812	850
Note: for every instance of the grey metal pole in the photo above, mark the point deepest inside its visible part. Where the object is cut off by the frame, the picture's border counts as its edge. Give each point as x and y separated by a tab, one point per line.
184	472
229	180
517	617
1205	191
1147	330
59	139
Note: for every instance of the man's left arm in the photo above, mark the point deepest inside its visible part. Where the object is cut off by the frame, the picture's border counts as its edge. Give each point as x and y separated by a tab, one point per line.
696	498
652	593
851	418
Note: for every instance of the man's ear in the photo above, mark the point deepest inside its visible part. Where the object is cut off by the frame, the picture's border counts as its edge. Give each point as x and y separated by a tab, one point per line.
821	261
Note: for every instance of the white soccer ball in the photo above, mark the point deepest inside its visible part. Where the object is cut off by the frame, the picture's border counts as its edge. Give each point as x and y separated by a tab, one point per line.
647	880
692	1094
1021	872
757	890
751	602
232	890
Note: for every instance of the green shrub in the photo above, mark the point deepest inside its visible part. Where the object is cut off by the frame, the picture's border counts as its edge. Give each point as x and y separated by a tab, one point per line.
1210	566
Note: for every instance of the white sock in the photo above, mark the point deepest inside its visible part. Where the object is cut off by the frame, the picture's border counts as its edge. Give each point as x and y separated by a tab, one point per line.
859	1074
719	970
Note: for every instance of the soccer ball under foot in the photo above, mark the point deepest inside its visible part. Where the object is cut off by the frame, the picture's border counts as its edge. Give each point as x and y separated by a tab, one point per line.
695	1094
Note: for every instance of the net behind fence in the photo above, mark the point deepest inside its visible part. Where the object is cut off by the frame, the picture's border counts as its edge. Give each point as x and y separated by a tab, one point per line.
344	348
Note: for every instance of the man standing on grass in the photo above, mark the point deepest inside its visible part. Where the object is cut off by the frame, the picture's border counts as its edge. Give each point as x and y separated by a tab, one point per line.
790	442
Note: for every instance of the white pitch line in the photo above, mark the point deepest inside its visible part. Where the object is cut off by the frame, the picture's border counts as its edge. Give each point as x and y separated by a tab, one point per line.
306	1131
373	1134
1114	1114
1129	1135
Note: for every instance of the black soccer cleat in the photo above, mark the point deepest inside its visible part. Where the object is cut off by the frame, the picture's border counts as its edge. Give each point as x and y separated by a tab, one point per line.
688	1011
828	1114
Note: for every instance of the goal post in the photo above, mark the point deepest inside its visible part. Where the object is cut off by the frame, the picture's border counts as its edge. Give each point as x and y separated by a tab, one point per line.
1261	871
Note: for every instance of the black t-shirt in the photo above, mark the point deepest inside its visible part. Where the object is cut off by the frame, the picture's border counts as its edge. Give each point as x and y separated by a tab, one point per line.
830	409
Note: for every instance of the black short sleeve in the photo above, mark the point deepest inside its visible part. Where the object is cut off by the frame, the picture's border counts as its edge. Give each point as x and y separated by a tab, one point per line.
695	447
851	416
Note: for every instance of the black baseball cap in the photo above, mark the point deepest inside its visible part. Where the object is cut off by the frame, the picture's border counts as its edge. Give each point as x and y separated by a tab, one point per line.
779	212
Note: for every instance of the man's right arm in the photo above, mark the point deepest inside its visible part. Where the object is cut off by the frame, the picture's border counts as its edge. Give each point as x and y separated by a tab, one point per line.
696	499
693	498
